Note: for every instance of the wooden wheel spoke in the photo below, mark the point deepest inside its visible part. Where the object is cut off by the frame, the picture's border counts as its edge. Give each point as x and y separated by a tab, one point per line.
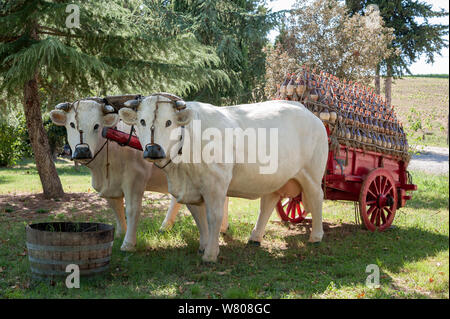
374	215
302	211
371	209
380	178
371	202
378	217
388	190
371	193
383	217
383	185
294	209
377	191
299	210
289	207
388	211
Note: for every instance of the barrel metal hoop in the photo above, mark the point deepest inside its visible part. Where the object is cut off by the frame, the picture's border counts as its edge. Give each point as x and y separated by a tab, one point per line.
68	262
63	273
31	246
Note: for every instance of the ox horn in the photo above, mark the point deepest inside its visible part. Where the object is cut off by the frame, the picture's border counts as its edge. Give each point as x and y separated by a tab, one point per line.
108	109
132	103
65	106
180	105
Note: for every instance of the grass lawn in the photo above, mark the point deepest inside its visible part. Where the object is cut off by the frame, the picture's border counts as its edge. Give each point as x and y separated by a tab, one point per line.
413	256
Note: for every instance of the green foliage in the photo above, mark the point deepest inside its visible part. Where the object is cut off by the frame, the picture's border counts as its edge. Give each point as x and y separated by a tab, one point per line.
118	47
56	135
237	30
10	148
414	34
22	136
414	120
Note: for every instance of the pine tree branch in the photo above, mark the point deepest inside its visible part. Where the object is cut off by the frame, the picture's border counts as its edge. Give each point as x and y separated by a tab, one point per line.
60	34
55	32
6	39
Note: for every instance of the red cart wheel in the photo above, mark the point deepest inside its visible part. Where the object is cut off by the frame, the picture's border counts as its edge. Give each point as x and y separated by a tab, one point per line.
378	200
291	209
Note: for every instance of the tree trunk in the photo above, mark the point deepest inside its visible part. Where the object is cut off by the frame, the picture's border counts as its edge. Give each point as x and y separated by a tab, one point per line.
388	85
377	80
50	181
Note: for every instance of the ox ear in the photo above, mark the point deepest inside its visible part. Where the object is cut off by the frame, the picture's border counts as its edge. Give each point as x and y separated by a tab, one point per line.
110	119
58	117
184	117
128	115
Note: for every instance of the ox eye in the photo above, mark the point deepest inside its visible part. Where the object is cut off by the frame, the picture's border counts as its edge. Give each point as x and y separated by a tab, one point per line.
168	123
143	122
96	127
72	125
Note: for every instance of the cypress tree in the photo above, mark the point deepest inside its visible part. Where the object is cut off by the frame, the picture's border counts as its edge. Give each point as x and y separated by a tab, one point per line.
119	46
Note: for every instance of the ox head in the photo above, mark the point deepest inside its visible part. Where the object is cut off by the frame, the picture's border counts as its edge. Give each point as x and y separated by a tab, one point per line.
157	119
84	121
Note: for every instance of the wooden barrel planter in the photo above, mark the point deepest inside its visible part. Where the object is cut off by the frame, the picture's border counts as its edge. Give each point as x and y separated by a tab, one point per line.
53	246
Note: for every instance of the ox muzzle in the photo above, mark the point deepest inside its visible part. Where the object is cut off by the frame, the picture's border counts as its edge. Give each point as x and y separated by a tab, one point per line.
154	152
82	152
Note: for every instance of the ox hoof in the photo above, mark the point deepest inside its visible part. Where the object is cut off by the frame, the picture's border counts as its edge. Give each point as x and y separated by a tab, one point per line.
315	239
314	244
209	260
127	247
254	243
165	228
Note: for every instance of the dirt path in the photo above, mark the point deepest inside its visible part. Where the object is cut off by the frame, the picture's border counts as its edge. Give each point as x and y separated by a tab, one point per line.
430	159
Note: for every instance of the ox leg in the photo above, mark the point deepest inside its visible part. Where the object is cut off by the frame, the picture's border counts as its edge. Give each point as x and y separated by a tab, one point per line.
171	215
199	214
313	200
214	215
117	206
224	226
267	205
133	203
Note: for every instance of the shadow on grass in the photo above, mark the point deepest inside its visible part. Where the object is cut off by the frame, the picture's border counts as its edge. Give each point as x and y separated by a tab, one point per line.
168	265
272	271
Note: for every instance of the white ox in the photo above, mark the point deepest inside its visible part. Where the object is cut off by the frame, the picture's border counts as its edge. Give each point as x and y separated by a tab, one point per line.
117	172
203	186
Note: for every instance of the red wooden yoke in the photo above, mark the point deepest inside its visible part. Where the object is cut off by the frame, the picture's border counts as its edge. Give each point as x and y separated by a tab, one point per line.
124	139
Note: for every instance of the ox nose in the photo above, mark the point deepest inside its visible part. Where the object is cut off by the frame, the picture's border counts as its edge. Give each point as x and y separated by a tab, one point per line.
81	152
154	152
